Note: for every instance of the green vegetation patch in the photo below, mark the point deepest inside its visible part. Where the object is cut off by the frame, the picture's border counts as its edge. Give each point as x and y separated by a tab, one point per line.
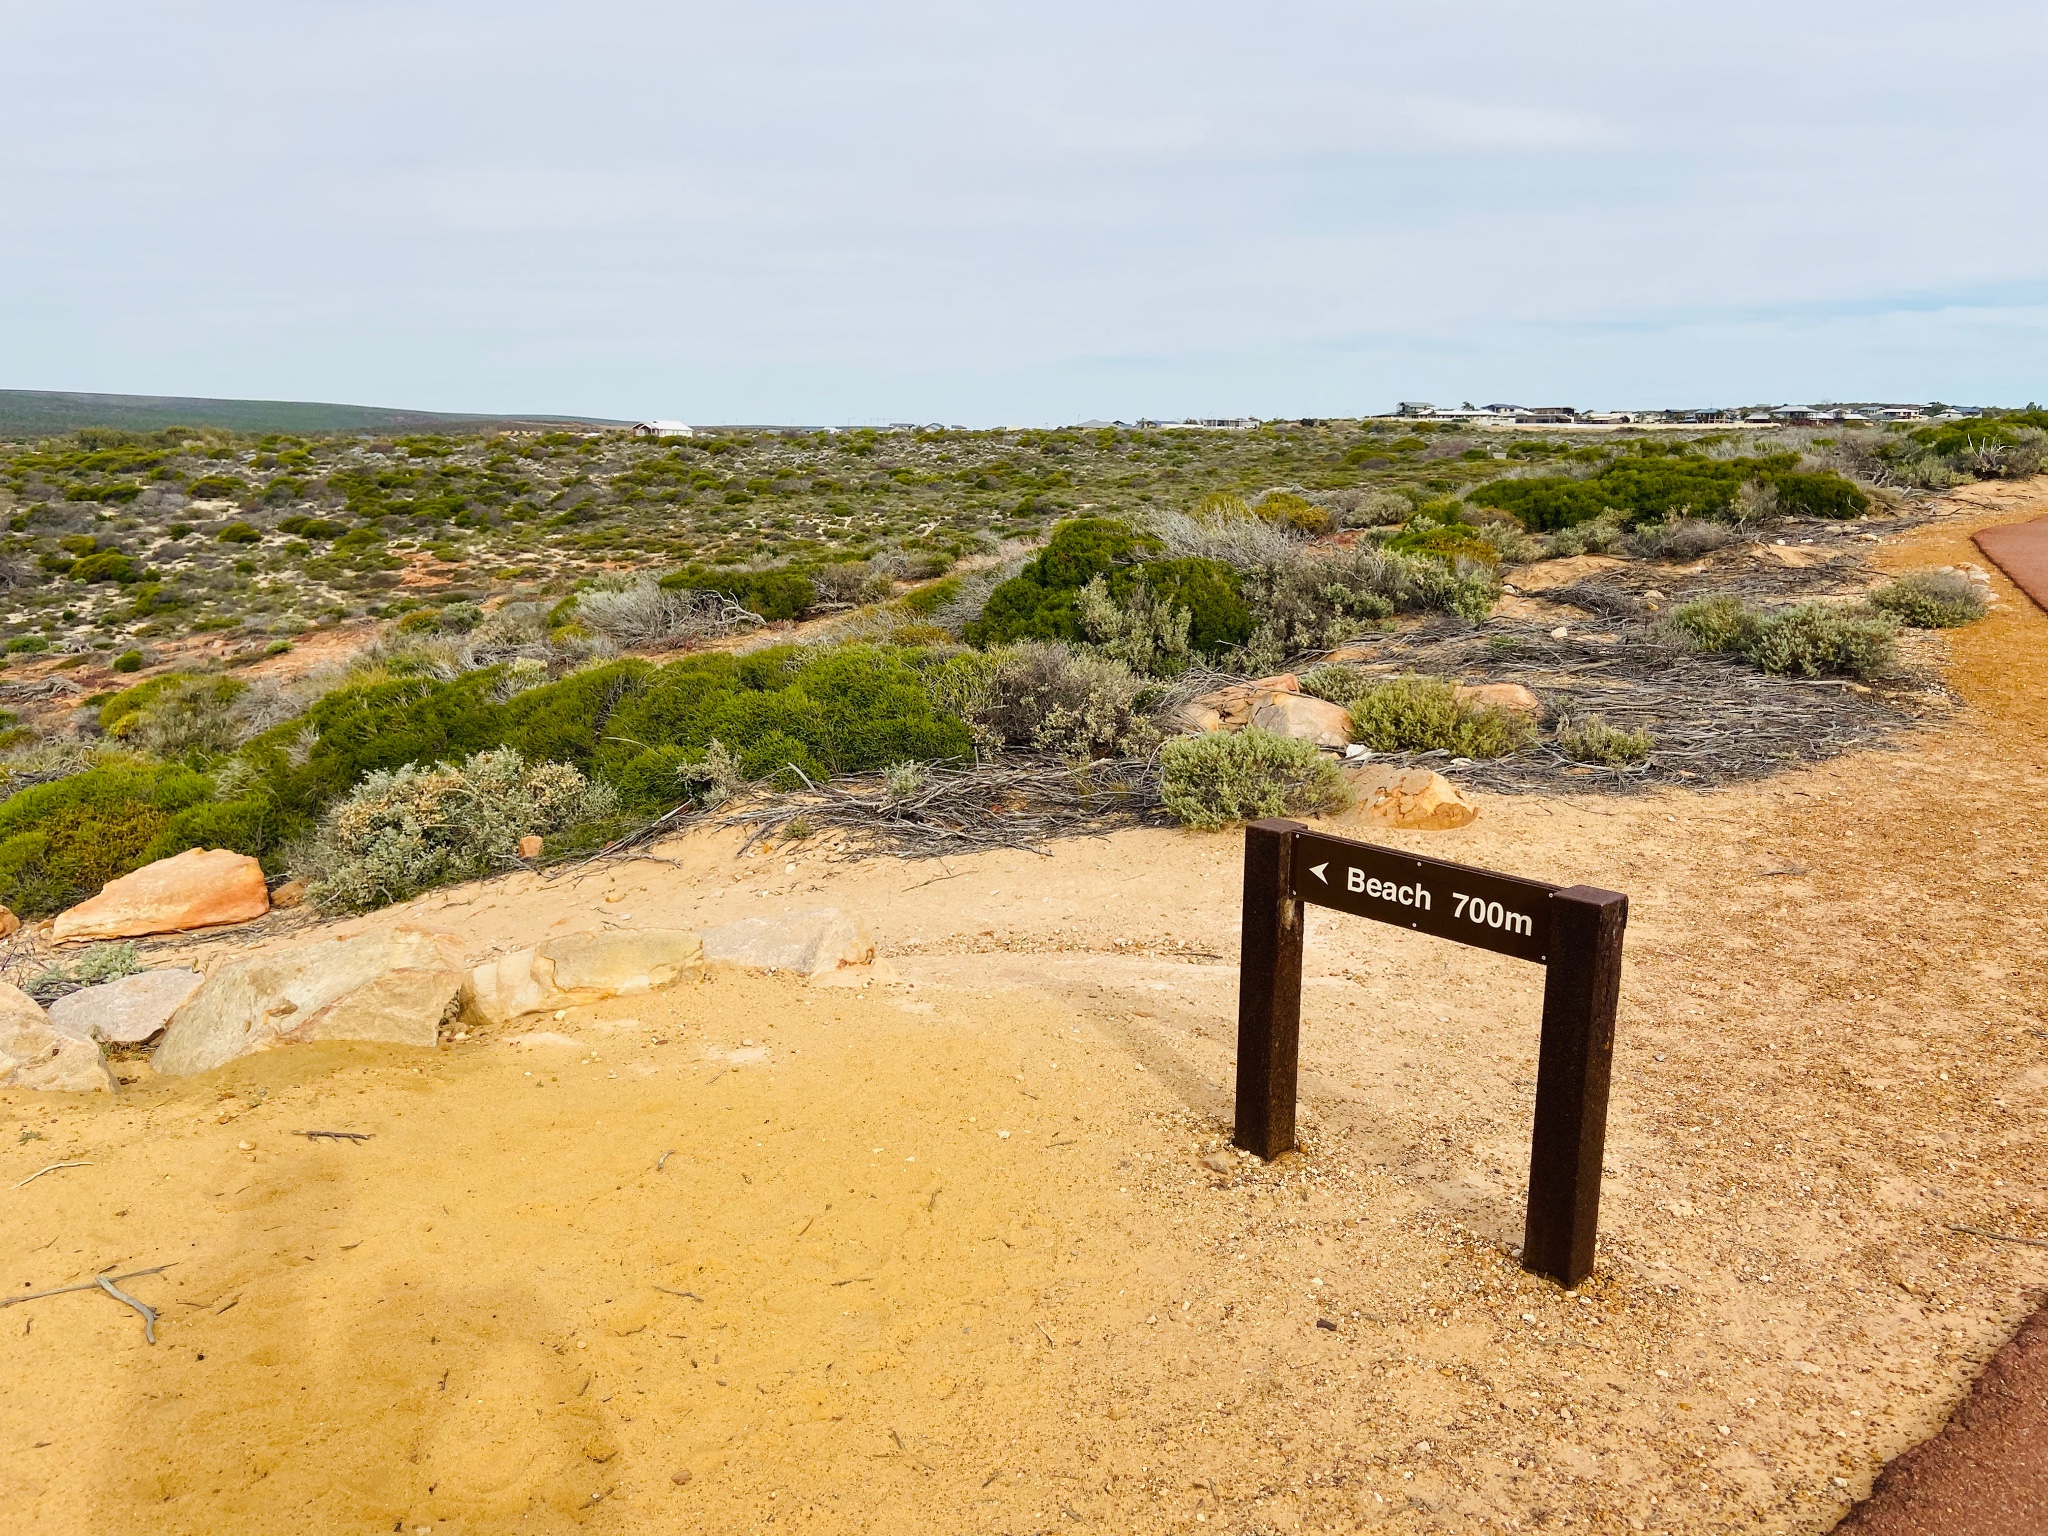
1660	482
1426	714
1213	780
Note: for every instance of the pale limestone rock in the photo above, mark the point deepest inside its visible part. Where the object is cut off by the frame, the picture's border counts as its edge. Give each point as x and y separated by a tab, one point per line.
397	986
34	1054
195	889
124	1012
1512	697
1304	718
817	944
580	968
1412	798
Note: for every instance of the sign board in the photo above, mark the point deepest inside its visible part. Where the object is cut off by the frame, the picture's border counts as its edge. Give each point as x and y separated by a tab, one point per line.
1574	932
1503	913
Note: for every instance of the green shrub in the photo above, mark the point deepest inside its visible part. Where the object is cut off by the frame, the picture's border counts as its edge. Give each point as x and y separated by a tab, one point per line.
398	833
1931	599
774	595
175	714
1812	639
1715	623
60	842
1590	739
1658	482
1041	601
1212	780
1425	714
312	527
128	661
239	533
107	565
1296	512
215	488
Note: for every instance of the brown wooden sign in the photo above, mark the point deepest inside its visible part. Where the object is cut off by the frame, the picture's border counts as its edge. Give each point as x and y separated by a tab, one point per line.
1473	906
1574	932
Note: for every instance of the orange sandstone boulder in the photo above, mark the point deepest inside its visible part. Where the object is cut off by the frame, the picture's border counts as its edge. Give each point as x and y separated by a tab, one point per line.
195	889
1512	697
1413	798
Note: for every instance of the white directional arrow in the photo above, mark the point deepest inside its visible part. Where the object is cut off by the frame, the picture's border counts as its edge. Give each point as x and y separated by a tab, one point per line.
1317	871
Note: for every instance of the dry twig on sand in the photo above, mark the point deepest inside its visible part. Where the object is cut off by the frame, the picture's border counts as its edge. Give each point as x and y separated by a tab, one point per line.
1011	801
108	1284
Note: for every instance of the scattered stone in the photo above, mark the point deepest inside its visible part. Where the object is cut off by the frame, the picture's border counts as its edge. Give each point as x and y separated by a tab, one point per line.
9	923
1304	718
398	986
125	1012
200	888
580	968
814	944
1512	697
531	845
1413	798
291	894
1219	1162
35	1054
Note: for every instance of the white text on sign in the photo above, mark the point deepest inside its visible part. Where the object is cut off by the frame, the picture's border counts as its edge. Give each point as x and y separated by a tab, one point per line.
1387	890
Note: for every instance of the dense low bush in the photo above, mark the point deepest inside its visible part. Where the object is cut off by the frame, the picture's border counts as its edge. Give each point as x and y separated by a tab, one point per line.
60	842
399	832
1812	639
1934	599
1426	714
1652	486
772	595
1212	780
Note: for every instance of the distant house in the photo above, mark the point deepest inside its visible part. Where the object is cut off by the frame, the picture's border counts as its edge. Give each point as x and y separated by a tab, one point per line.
661	429
1414	408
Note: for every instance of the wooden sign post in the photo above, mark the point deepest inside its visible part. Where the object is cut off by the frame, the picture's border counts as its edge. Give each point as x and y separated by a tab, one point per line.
1574	932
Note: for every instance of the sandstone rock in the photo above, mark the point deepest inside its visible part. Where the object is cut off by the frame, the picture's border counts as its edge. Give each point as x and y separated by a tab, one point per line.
1413	798
531	845
580	968
124	1012
34	1054
10	925
396	986
814	944
194	889
291	894
1298	715
1509	696
1230	709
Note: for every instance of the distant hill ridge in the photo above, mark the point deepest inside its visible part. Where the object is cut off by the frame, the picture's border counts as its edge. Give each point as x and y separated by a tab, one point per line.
27	412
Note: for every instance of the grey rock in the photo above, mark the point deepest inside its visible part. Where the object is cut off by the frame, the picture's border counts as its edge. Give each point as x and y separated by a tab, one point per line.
398	986
814	943
34	1055
124	1012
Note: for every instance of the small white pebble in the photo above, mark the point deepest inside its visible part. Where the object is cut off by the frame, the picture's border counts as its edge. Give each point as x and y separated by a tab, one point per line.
1002	1135
246	1146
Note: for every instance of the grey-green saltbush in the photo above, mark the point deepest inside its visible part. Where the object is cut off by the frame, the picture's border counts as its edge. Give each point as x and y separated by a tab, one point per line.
1811	639
1425	714
1590	739
1213	780
399	832
1935	599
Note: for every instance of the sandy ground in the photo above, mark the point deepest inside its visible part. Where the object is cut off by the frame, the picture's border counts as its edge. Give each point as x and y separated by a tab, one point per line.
940	1254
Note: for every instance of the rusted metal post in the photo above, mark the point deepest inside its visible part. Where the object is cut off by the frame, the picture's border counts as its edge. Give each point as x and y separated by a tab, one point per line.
1268	991
1575	1057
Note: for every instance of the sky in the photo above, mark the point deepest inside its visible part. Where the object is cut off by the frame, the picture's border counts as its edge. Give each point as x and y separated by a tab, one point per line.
1009	213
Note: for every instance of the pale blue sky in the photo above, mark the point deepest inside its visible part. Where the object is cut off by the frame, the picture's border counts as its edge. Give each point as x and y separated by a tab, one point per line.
1024	213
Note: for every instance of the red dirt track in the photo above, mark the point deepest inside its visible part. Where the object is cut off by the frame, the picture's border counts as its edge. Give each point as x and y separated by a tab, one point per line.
1986	1473
2021	551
